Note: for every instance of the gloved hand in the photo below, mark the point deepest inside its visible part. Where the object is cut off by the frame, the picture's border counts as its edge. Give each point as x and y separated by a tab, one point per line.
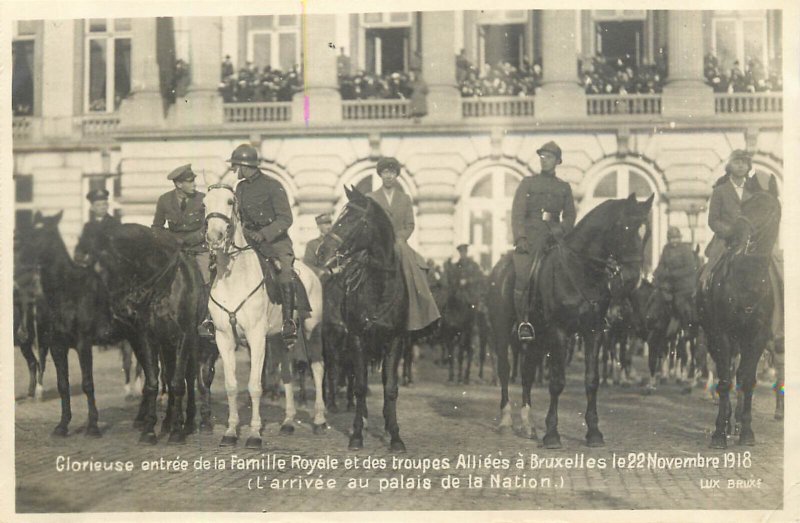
521	246
255	236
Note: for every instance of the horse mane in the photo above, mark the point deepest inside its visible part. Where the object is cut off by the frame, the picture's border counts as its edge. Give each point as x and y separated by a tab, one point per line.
157	246
382	221
587	230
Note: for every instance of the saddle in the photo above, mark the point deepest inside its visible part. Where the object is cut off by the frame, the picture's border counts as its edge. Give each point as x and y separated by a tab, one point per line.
301	302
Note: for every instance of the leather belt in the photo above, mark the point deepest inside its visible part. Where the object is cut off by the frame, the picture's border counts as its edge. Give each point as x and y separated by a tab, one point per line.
550	217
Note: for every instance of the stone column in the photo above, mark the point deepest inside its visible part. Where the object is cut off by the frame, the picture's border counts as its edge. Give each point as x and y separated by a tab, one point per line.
319	70
202	105
439	65
686	93
144	107
57	79
560	97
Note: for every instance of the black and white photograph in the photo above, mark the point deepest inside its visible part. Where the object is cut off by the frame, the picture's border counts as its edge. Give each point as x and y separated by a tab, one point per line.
479	261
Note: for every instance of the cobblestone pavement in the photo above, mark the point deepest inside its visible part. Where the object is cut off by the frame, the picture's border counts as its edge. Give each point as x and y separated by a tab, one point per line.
437	421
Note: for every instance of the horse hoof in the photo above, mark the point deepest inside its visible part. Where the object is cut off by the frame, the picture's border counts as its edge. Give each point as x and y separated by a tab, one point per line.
504	429
356	443
206	427
93	431
319	428
287	429
719	441
148	438
552	441
747	438
253	443
228	441
60	431
595	439
397	445
177	437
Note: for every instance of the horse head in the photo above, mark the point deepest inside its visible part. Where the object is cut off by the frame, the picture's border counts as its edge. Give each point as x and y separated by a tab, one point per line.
221	212
43	241
756	229
362	226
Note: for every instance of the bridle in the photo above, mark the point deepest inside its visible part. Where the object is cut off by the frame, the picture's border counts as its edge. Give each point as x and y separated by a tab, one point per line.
361	225
230	247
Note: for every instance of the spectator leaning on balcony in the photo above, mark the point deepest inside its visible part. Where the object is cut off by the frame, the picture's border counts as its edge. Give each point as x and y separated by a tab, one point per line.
543	207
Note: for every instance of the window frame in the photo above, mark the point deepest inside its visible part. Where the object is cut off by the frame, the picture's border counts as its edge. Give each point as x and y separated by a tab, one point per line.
739	21
110	36
29	205
274	33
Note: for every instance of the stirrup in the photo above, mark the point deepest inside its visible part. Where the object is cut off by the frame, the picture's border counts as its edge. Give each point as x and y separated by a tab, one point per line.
525	331
289	330
206	328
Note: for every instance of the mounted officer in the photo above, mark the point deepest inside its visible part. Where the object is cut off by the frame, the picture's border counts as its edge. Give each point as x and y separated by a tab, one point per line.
422	310
182	213
266	217
99	219
677	269
543	207
465	273
324	224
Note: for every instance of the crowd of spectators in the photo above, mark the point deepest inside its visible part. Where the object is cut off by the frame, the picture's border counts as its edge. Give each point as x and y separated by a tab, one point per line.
252	85
754	79
365	86
604	75
502	79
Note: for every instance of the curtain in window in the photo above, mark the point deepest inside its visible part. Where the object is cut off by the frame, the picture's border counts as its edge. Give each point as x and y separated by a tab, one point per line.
22	78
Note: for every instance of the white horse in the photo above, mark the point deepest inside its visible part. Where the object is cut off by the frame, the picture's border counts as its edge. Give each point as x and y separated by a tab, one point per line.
240	307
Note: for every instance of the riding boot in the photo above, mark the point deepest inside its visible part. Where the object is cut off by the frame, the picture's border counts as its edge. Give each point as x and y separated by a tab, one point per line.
206	328
289	331
525	330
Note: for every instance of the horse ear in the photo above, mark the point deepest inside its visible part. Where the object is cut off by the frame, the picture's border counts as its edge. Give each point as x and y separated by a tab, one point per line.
632	198
37	217
58	216
348	193
648	203
773	185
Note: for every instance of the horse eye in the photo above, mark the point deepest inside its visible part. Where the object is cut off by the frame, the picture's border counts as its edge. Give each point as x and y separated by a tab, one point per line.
230	201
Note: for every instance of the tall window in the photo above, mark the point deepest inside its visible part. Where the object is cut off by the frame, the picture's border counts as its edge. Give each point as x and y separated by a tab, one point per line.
739	36
619	35
387	45
487	214
274	41
501	38
619	181
23	201
107	75
22	76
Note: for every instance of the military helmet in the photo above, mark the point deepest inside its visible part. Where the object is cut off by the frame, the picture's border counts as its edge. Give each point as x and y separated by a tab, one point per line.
552	148
245	154
673	232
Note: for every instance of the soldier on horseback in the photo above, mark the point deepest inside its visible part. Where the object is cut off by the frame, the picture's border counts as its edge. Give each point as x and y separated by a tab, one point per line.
266	217
543	207
182	211
99	219
466	273
324	222
677	267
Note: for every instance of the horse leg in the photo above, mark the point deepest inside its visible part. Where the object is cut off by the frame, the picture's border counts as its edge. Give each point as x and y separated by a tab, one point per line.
459	346
205	376
722	358
605	350
779	378
147	409
331	363
62	376
515	367
552	440
481	346
391	360
746	382
319	423
290	411
448	342
360	391
168	369
44	348
33	366
467	346
226	346
500	343
87	384
594	438
257	342
529	366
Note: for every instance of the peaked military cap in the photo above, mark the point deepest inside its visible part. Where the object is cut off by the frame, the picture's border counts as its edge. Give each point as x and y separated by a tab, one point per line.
323	218
464	246
97	195
183	173
387	162
552	148
673	232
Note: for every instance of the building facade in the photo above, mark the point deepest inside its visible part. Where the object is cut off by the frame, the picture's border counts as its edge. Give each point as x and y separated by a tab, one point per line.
98	103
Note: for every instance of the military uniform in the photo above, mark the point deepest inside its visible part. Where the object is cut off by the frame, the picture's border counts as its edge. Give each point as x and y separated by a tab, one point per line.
183	215
97	224
310	255
467	273
677	268
264	209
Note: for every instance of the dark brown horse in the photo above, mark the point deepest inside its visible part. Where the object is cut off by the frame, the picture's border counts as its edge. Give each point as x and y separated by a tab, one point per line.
600	259
375	305
157	293
736	307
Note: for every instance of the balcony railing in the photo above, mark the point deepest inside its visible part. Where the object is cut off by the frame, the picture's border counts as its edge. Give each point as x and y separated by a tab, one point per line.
258	112
375	109
738	103
611	104
497	106
21	128
98	125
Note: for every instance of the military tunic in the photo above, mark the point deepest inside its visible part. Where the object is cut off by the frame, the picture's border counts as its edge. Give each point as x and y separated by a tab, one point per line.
310	256
186	225
467	274
264	208
677	268
540	204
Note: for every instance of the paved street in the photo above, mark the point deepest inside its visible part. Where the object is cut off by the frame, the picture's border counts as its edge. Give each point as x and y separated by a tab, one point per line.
438	422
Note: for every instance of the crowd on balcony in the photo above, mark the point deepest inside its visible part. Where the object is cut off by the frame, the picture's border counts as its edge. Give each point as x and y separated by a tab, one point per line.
501	79
620	75
754	78
253	85
367	86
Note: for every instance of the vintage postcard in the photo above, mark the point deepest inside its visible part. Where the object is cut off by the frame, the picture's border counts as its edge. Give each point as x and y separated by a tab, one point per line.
490	261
